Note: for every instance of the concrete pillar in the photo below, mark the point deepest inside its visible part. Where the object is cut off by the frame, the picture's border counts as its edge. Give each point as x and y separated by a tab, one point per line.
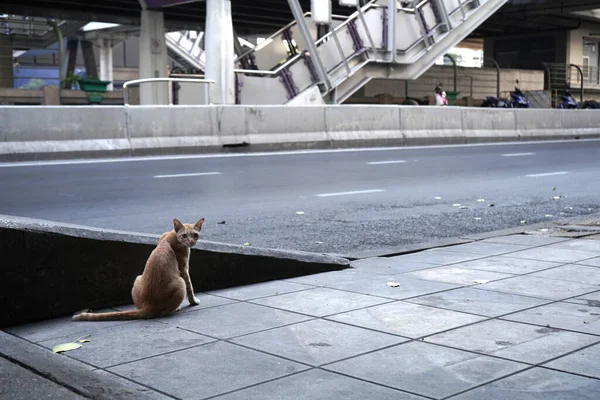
89	59
106	61
153	58
6	62
219	51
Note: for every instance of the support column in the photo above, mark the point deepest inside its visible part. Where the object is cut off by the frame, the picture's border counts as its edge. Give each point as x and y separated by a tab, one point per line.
106	61
391	34
6	62
153	58
219	49
89	59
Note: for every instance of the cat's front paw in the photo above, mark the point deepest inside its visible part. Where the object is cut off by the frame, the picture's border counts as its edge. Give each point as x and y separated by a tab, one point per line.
194	301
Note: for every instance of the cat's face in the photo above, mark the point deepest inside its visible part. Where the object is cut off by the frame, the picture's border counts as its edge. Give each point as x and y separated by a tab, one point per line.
187	234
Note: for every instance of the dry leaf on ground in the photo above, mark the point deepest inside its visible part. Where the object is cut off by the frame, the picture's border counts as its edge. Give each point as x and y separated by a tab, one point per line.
59	348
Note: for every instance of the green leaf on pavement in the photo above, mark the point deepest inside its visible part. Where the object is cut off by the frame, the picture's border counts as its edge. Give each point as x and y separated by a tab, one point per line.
59	348
84	341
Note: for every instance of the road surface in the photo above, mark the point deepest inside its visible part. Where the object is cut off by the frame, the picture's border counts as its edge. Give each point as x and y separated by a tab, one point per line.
323	201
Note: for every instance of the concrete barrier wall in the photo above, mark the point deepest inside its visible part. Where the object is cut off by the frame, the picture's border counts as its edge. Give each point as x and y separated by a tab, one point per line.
29	133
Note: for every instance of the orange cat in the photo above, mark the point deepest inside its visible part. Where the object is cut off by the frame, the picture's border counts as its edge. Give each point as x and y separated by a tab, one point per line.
165	281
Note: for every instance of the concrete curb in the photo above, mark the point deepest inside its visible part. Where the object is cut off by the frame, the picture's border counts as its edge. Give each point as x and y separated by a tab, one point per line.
454	241
67	372
66	268
83	131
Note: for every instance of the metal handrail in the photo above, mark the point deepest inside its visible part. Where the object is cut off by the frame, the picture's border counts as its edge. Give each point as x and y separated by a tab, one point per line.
146	80
269	39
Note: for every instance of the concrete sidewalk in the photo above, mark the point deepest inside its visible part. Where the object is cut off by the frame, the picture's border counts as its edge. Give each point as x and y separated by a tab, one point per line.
509	317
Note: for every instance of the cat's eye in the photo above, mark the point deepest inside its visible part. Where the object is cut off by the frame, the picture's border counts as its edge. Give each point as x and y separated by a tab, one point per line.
184	236
195	236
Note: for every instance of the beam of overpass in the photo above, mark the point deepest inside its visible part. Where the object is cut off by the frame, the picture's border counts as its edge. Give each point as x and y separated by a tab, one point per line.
167	3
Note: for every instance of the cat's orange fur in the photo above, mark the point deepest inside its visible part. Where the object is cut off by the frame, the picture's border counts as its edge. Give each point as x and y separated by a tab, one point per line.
165	281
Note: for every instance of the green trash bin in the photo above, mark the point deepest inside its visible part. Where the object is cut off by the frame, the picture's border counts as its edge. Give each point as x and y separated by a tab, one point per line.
451	96
94	88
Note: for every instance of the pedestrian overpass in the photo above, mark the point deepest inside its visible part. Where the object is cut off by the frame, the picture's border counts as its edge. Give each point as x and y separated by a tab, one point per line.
305	63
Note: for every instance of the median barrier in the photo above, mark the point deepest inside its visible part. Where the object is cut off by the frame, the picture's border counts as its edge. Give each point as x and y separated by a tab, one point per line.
168	130
427	125
286	127
52	132
57	269
358	125
35	132
580	123
229	125
539	124
489	125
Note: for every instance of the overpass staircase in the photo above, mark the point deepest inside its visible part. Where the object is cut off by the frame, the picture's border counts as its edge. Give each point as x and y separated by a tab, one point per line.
368	44
371	43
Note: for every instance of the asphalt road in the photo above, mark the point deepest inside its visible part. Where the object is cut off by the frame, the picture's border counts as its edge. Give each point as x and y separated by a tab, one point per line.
324	201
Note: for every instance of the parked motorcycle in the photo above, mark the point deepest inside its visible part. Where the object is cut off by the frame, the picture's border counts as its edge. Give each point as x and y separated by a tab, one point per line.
493	101
567	101
590	105
440	96
518	99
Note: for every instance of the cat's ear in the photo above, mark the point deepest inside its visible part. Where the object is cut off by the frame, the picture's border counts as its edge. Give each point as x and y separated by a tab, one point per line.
177	225
198	225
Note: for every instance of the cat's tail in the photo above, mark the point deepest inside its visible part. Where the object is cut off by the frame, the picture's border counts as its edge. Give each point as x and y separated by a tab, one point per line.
111	316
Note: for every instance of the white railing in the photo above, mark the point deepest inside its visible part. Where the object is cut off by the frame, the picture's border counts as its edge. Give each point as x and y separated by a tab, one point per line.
146	80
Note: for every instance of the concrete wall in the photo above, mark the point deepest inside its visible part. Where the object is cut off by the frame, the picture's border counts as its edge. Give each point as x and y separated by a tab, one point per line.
58	269
30	133
483	82
575	42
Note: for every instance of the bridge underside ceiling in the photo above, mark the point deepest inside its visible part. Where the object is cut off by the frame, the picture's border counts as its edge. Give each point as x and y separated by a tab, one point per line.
249	16
534	16
266	16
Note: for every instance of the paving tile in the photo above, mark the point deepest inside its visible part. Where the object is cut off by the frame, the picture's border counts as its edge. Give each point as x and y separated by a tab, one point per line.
318	342
388	265
553	254
326	278
515	341
406	319
318	385
206	301
592	262
250	292
233	320
482	302
136	388
208	370
18	383
575	317
376	285
579	244
456	275
572	273
584	362
437	256
60	327
526	240
128	342
426	369
508	265
537	384
320	301
590	300
486	248
540	287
